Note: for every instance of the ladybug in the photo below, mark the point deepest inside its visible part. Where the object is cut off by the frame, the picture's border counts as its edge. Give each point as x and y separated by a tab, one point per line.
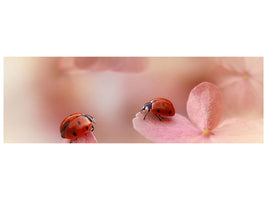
160	107
76	125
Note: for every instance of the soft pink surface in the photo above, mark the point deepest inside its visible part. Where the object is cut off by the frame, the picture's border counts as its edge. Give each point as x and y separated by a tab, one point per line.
172	129
87	138
119	64
241	83
205	106
205	109
235	130
179	129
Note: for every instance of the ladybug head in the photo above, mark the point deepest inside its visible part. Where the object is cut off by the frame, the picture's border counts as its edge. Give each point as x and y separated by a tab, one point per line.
90	118
147	106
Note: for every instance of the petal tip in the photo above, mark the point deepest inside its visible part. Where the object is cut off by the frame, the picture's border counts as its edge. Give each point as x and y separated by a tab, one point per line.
205	105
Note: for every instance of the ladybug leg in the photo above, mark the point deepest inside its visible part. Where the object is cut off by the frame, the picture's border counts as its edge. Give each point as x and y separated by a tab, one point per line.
146	115
161	117
158	116
147	107
92	129
72	140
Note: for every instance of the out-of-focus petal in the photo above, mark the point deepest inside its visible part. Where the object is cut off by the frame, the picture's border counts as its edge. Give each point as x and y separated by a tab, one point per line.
244	96
241	83
66	64
205	106
238	131
88	63
234	65
254	66
241	65
126	64
176	129
119	64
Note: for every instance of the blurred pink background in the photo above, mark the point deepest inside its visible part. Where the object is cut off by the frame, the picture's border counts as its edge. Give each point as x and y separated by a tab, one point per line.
40	92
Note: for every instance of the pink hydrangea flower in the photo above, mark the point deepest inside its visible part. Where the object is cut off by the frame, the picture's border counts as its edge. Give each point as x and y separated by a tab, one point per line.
119	64
241	82
205	109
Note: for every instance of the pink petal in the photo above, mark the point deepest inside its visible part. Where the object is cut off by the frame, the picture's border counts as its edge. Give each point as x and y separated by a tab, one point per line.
90	63
255	67
241	65
241	83
205	106
66	64
244	96
233	64
87	138
126	64
170	130
120	64
238	131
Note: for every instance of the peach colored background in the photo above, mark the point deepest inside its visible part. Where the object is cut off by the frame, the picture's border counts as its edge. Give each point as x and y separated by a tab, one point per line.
38	95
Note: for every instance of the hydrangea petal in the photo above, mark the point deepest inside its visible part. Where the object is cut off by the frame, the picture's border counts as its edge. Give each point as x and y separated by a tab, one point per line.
119	64
205	106
242	65
234	130
241	83
87	138
88	63
125	64
233	65
176	129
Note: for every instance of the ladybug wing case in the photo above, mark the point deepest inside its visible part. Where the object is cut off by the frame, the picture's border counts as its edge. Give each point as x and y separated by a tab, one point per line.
163	108
78	127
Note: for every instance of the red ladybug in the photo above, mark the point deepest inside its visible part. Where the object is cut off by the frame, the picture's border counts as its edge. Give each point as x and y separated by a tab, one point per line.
159	106
76	125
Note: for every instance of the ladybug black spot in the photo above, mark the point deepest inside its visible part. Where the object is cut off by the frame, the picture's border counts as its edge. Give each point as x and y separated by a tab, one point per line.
170	112
75	134
79	122
86	127
163	104
158	110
